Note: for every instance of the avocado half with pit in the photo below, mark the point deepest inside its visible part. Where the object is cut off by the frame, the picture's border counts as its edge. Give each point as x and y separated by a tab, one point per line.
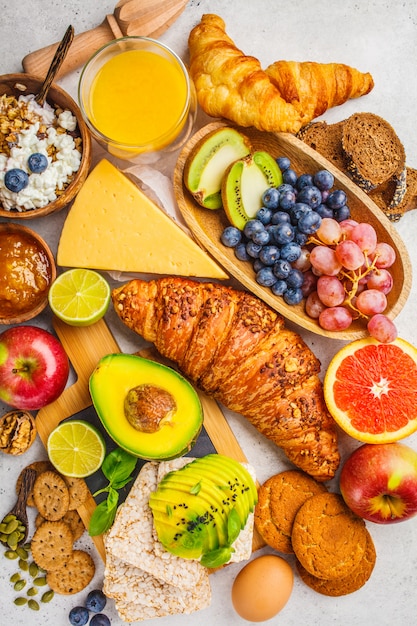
147	408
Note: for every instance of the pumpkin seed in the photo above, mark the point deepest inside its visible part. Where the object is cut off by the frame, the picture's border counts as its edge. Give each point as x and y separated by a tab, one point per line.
15	577
47	596
8	518
32	604
11	526
40	581
3	527
20	601
26	546
24	554
13	539
33	569
11	554
24	565
19	584
32	591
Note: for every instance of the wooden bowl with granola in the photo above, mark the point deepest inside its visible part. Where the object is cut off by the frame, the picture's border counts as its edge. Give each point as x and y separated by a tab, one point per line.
45	152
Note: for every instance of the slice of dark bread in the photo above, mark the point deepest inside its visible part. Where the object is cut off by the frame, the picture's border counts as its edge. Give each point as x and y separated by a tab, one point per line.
327	140
394	211
374	151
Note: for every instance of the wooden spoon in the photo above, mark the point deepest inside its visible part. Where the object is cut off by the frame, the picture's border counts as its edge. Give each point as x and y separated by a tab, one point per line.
19	509
57	61
148	18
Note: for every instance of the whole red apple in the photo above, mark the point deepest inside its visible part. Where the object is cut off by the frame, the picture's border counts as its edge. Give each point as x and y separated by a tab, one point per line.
34	367
379	482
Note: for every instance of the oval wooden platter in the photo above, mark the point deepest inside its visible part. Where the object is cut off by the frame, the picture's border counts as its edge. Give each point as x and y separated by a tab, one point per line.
207	225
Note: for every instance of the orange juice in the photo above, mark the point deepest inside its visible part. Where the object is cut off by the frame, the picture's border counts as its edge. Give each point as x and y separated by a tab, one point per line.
139	98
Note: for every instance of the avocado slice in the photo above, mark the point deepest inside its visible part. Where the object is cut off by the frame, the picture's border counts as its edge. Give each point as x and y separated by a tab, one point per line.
147	408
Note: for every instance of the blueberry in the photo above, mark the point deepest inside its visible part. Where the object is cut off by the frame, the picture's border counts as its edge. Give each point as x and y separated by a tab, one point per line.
295	279
270	198
291	297
284	233
323	179
287	199
100	620
266	277
304	180
269	254
15	180
257	265
324	211
96	601
299	209
282	269
300	238
251	227
240	252
336	199
231	236
279	288
290	252
78	616
280	216
37	163
289	177
311	195
264	215
253	249
286	187
262	237
342	213
309	223
283	163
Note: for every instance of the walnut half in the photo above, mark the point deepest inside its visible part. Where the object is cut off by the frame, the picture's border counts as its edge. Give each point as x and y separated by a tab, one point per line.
17	432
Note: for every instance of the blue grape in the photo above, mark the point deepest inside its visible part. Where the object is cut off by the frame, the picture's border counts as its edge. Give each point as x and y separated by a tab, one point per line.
324	180
231	236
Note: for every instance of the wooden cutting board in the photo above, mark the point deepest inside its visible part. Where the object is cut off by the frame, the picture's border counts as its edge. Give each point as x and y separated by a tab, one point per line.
85	347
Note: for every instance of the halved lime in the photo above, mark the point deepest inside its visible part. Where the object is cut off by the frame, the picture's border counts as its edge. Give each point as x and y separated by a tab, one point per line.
76	448
79	297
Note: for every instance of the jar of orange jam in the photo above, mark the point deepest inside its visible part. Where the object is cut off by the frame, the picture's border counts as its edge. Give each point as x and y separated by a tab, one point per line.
26	272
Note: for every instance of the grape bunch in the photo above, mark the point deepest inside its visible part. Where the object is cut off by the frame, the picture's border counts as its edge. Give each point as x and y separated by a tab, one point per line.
304	245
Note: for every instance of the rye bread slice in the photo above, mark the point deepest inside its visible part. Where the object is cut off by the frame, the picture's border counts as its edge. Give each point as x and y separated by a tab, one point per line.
395	211
327	140
373	149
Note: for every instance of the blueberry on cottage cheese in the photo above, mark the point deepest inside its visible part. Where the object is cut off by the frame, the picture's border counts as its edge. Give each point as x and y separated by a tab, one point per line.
37	163
16	179
78	616
96	601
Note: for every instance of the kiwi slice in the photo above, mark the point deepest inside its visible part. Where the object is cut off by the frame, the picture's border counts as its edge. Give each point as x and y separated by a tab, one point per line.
207	162
244	183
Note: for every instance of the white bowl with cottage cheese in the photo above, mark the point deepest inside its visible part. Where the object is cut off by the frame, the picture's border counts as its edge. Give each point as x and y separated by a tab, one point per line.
45	151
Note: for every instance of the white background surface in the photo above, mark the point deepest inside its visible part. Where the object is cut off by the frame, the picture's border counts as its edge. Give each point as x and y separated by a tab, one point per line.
376	36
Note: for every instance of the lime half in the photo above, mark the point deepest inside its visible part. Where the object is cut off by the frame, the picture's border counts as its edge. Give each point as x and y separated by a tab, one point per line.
79	297
76	448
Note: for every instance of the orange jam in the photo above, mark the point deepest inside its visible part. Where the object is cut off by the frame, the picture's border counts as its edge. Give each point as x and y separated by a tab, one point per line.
25	273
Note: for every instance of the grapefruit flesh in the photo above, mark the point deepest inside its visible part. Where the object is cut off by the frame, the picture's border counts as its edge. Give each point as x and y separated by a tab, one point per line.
370	389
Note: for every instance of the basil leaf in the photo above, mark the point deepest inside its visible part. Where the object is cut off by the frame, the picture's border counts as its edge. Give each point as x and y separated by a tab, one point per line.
112	499
216	558
121	483
101	519
118	465
233	526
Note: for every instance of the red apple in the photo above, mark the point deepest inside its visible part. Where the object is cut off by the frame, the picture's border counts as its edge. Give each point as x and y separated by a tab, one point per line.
379	482
34	367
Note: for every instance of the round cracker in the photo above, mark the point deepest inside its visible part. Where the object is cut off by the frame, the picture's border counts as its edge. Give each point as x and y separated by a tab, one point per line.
78	491
51	544
51	495
73	575
39	467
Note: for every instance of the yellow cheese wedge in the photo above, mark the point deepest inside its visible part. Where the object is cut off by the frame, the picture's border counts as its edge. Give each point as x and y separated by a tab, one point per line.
113	225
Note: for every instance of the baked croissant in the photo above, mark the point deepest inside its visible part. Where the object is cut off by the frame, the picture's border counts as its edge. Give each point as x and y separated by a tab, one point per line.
237	349
283	98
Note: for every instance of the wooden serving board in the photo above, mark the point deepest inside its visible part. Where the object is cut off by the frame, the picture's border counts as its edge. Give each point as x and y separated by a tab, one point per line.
207	226
85	347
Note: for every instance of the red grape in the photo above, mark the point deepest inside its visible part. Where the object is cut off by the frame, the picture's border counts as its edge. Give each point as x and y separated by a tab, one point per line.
381	328
371	301
384	255
329	231
365	236
330	290
349	255
324	260
335	318
381	280
314	306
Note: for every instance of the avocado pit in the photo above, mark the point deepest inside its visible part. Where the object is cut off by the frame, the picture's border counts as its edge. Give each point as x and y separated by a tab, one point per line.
147	406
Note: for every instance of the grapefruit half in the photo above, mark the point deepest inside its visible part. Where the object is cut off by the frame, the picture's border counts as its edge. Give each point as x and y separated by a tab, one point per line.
370	389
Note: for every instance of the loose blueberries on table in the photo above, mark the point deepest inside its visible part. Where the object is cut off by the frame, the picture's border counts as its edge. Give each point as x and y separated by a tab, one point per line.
96	601
79	616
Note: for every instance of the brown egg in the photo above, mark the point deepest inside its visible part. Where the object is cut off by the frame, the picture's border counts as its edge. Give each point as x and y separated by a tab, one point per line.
262	588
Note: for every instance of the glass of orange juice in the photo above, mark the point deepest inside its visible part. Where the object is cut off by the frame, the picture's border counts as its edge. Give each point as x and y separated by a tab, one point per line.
136	97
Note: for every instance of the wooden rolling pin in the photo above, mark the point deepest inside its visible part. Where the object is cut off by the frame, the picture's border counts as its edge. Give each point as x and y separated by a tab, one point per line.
149	18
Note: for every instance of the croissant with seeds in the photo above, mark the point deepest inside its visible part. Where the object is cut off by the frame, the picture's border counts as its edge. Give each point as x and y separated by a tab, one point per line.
284	97
236	348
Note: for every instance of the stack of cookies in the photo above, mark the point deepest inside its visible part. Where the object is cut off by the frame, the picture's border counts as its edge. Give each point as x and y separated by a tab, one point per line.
368	150
58	526
334	551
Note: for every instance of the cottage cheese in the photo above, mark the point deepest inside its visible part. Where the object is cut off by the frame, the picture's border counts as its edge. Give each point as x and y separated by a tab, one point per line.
47	135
